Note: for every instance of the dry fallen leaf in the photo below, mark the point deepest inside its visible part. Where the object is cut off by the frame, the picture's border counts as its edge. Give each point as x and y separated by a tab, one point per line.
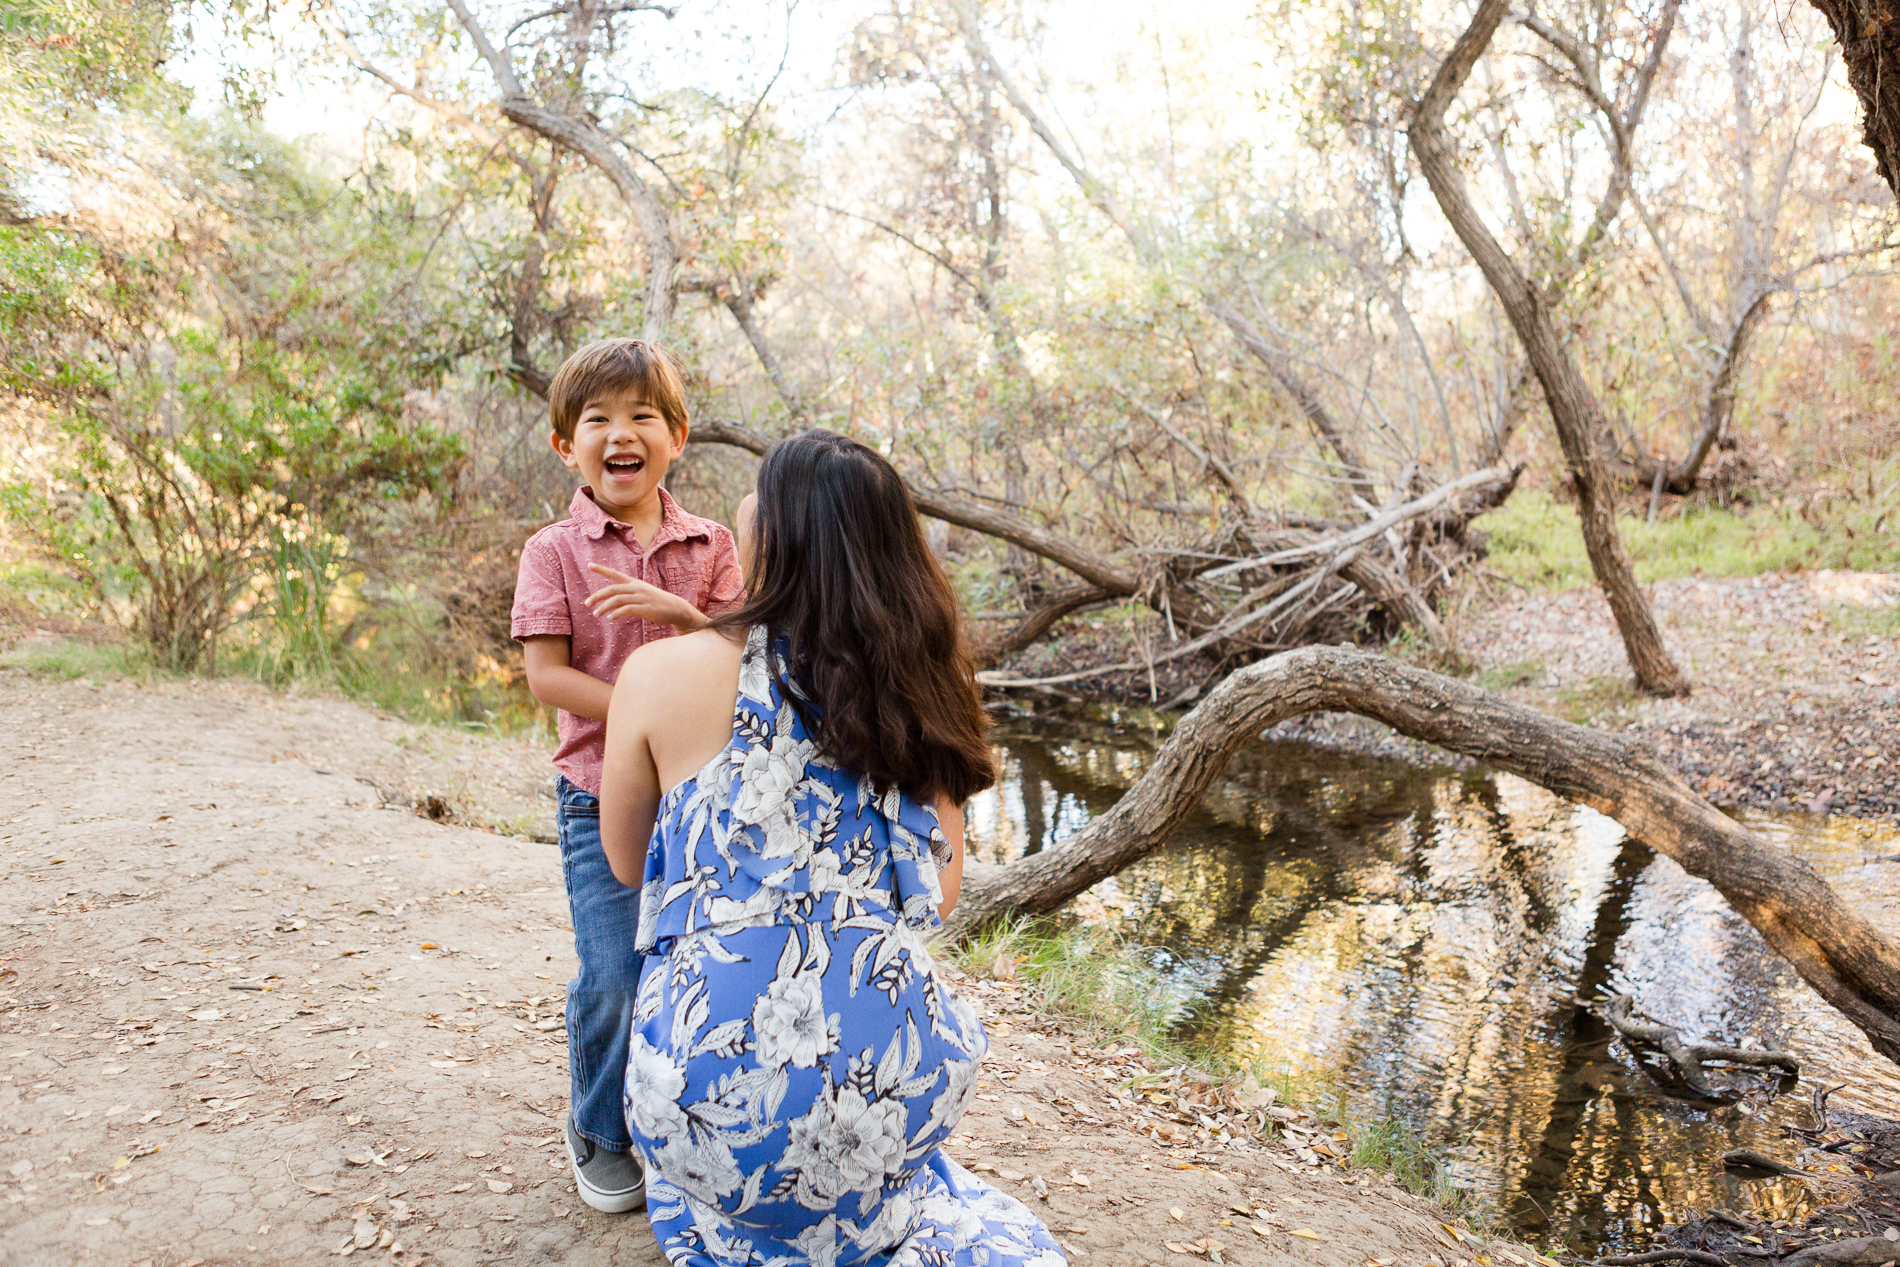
461	1187
206	1014
1305	1233
362	1160
1261	1229
1177	1213
500	1185
318	1190
1080	1181
1175	1248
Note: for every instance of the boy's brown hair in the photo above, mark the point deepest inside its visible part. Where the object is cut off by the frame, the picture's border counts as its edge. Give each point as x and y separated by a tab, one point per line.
617	365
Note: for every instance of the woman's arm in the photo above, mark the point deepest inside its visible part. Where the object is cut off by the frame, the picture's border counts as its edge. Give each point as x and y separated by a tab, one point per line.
629	783
950	877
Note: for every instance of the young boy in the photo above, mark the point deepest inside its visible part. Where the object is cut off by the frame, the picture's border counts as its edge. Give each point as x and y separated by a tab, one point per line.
626	566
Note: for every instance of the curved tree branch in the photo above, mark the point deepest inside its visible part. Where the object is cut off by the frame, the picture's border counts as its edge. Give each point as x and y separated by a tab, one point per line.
599	147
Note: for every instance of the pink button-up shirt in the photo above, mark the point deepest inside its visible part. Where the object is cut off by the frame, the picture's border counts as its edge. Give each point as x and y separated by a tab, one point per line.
691	557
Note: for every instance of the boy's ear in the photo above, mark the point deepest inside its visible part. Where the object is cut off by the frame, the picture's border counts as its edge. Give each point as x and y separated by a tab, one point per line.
563	448
679	437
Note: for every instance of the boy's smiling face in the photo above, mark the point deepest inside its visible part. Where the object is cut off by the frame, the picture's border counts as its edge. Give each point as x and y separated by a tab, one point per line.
622	447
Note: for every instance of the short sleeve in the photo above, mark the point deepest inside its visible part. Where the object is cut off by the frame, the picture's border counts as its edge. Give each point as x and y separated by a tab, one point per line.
727	586
540	595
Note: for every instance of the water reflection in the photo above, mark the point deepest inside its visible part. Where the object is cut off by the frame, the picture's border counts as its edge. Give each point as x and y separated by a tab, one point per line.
1421	936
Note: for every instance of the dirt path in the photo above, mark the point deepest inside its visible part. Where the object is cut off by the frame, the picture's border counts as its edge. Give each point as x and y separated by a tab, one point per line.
256	1008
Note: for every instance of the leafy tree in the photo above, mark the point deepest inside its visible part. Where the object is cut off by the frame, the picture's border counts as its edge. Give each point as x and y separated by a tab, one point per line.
220	406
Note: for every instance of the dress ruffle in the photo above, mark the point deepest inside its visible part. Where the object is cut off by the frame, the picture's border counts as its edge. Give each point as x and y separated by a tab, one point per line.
764	819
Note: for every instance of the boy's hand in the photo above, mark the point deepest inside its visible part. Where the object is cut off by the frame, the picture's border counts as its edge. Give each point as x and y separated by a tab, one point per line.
629	597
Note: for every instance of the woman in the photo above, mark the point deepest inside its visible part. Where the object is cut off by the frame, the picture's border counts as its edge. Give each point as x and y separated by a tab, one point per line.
795	1062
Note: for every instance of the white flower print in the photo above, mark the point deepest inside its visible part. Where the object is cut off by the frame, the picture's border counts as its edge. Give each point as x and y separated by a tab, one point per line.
844	1144
655	1086
703	1169
755	670
819	1242
959	1084
767	797
791	1024
893	1224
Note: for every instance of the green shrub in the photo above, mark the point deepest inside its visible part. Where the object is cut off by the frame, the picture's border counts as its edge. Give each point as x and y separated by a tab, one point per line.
1388	1145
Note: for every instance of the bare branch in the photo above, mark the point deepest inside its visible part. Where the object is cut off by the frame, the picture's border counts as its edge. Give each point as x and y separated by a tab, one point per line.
1574	410
599	147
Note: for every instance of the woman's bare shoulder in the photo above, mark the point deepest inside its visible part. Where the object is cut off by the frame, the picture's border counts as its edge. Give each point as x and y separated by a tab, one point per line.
676	668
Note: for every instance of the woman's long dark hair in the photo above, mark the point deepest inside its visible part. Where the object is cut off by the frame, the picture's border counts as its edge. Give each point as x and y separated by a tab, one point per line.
842	575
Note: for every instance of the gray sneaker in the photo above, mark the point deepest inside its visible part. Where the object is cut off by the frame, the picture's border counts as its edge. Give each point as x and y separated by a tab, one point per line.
611	1182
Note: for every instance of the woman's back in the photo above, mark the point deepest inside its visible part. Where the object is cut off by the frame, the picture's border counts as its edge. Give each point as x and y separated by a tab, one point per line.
768	825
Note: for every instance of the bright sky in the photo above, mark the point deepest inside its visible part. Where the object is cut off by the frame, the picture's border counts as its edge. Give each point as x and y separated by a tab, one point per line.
732	46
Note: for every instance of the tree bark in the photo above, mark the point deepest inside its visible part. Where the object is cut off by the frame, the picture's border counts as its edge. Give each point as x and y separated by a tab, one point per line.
597	146
1574	410
1869	34
1836	951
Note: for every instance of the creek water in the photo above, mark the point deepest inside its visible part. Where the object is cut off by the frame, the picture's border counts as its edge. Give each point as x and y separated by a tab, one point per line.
1414	938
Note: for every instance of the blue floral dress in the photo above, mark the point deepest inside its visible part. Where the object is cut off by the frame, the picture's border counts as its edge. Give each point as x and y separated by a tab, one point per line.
795	1062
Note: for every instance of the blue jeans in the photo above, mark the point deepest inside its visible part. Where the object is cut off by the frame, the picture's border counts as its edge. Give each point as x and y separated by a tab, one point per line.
600	999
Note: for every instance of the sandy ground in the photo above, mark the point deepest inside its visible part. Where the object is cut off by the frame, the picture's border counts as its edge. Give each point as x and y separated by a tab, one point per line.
256	1007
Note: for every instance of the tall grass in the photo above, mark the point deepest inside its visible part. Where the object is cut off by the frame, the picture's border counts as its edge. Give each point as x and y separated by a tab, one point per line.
397	656
1105	986
1387	1144
1534	540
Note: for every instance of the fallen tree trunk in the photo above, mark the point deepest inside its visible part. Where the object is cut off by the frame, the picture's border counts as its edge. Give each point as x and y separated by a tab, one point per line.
1836	951
968	512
